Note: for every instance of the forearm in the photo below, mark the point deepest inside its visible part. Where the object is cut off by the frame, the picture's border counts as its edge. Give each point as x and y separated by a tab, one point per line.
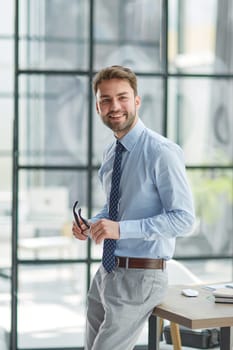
171	224
102	214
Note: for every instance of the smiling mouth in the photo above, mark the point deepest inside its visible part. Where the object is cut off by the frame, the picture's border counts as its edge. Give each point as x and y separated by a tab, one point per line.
116	117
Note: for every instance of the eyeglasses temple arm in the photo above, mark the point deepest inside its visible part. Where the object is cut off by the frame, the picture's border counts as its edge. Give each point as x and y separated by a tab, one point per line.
76	218
83	220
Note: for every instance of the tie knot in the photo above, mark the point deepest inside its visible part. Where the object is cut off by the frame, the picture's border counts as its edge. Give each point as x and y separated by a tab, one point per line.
119	147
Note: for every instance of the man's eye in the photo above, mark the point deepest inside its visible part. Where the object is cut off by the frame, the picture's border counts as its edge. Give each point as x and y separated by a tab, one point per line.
106	100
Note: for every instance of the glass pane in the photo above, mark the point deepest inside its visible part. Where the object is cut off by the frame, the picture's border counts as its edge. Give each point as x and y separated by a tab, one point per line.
6	108
5	223
7	18
132	37
45	214
200	36
151	112
53	120
152	95
54	298
212	235
200	119
6	66
6	129
5	307
54	35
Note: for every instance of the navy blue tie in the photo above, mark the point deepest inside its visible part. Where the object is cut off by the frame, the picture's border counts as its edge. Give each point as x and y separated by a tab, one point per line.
108	259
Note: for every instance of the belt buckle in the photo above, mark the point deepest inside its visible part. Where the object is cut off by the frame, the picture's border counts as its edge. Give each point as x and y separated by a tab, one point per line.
126	263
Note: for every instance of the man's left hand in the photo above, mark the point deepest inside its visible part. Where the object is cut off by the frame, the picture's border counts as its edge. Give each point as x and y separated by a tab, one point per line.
104	228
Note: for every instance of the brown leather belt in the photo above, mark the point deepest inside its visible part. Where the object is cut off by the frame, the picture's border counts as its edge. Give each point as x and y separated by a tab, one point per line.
141	263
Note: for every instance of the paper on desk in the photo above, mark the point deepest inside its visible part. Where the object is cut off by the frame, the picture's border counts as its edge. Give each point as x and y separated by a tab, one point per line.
218	286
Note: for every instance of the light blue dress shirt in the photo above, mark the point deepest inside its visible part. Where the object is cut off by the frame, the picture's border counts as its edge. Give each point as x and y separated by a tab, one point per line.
155	203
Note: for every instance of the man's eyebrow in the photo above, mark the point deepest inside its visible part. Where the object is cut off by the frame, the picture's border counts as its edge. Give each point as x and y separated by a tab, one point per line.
119	94
102	96
123	93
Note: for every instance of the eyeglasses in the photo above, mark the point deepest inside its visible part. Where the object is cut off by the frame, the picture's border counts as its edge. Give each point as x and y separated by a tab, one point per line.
78	218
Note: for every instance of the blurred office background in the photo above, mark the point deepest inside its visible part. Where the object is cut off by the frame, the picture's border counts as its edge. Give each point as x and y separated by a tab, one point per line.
51	143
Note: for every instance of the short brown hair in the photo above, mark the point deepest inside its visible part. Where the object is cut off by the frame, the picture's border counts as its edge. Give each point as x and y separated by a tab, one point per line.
116	72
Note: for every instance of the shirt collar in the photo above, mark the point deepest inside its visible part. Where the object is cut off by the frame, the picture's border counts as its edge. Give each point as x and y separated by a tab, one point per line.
130	139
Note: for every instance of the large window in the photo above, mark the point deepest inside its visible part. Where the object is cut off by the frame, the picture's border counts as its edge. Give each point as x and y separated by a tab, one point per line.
51	142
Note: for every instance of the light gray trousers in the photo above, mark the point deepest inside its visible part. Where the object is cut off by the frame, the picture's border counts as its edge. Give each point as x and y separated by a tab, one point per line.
119	304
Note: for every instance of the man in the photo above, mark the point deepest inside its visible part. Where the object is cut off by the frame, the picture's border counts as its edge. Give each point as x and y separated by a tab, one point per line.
154	205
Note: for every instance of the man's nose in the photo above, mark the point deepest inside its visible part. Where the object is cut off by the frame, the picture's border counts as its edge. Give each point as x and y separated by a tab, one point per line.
115	106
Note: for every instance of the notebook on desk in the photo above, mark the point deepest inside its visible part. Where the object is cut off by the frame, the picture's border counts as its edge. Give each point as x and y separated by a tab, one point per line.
223	295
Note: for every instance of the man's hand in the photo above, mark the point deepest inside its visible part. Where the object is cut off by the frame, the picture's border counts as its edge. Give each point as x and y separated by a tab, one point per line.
79	234
104	228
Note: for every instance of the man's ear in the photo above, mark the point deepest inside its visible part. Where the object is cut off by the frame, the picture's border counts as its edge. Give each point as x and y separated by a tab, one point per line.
97	108
138	101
